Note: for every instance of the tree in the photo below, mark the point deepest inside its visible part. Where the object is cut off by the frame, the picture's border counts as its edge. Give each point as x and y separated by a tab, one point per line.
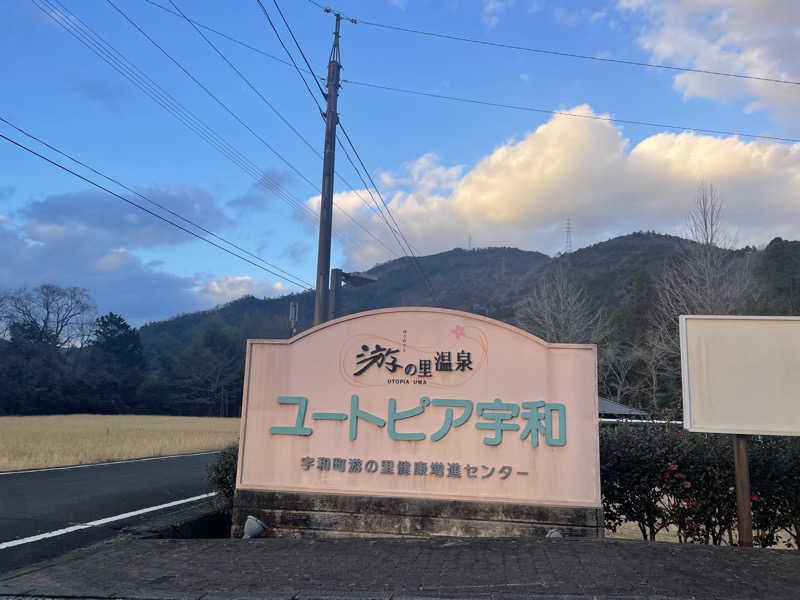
778	273
208	375
43	327
705	279
119	341
117	365
49	314
561	311
705	218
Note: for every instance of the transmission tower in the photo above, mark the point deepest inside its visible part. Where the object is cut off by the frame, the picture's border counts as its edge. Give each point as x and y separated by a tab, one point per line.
568	236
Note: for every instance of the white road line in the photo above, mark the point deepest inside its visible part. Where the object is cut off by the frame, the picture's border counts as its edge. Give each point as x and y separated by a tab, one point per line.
102	464
127	515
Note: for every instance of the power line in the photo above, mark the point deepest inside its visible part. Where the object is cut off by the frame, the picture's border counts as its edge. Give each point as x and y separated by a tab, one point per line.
533	109
319	107
567	113
376	208
147	210
546	51
414	257
396	229
146	199
289	54
96	44
313	96
214	96
254	90
222	34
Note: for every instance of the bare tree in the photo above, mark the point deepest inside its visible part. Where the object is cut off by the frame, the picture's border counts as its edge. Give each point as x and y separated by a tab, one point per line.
617	363
708	278
49	314
705	218
561	311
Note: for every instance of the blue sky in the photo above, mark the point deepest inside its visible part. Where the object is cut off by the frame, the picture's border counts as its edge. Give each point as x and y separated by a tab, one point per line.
449	171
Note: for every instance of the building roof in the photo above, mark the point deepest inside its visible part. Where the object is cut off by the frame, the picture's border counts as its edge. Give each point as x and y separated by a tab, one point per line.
615	409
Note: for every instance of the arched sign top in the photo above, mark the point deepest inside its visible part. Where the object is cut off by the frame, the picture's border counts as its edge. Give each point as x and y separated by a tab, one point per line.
422	402
431	310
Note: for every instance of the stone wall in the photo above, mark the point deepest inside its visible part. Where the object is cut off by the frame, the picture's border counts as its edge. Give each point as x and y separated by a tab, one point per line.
295	514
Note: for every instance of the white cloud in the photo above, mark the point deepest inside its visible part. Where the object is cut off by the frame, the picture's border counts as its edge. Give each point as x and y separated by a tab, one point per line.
757	38
225	289
493	9
574	16
115	259
522	192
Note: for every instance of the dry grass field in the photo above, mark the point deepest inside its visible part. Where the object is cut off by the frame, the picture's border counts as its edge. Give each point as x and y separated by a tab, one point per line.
59	440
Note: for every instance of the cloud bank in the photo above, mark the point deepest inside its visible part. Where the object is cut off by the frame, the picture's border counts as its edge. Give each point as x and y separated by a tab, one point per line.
586	170
755	38
91	240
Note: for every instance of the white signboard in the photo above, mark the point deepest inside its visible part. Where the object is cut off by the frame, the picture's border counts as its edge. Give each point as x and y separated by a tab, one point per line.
741	374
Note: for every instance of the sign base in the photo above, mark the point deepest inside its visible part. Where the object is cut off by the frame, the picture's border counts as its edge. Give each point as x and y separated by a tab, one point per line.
301	514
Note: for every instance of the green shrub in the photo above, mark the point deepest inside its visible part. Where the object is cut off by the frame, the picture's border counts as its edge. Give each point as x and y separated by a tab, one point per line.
221	474
633	459
657	476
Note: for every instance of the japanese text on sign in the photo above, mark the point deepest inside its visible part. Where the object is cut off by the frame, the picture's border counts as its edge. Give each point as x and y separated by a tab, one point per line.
381	356
495	418
418	468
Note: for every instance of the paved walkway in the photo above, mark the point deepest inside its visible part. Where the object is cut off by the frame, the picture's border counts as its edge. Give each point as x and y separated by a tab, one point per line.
540	568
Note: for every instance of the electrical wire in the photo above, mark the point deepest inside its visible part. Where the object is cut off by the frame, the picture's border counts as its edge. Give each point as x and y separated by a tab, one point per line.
294	65
524	108
146	199
96	44
296	43
313	96
222	34
310	71
291	58
546	51
414	257
213	96
396	232
571	114
260	96
148	211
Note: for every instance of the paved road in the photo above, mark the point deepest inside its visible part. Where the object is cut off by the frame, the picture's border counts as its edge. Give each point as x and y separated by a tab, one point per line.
38	502
409	569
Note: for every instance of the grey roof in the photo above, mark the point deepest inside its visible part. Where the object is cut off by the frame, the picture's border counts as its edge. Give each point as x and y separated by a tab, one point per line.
609	407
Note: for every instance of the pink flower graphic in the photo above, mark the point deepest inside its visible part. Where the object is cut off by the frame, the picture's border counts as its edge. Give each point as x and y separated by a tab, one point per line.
458	332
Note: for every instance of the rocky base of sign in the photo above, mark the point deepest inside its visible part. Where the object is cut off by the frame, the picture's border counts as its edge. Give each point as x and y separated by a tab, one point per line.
296	514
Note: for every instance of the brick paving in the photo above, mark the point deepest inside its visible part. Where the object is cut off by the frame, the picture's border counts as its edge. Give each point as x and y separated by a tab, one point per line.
540	568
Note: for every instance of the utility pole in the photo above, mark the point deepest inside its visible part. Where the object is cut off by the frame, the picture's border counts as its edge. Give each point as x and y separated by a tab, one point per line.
336	282
292	318
326	206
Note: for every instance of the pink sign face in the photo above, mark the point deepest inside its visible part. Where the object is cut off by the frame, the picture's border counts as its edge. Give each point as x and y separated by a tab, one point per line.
425	403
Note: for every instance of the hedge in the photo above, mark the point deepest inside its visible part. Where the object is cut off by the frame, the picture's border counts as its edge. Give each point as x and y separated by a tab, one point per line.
660	476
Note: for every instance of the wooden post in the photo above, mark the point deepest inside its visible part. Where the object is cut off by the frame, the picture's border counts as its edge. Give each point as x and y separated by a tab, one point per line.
743	506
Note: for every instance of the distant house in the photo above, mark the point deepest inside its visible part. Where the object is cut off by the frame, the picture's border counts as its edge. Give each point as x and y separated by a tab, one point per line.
608	409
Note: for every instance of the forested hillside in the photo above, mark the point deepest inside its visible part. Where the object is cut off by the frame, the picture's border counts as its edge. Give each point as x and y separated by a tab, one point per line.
623	294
